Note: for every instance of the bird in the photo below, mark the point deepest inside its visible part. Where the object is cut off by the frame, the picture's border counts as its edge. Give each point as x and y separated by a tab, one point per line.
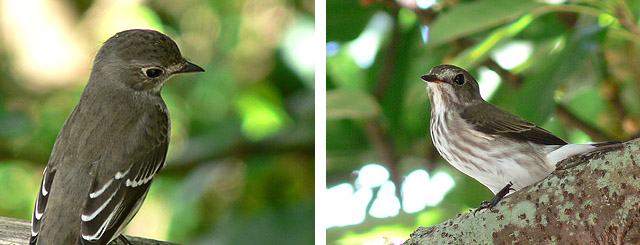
500	150
112	144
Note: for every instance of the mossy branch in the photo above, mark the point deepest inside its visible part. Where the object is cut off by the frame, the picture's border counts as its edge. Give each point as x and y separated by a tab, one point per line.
588	199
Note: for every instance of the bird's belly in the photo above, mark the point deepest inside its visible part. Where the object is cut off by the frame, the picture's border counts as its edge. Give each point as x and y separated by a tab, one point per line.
493	162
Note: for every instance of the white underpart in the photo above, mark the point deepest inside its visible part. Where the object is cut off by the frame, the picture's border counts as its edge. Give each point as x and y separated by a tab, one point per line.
509	162
496	173
437	92
567	151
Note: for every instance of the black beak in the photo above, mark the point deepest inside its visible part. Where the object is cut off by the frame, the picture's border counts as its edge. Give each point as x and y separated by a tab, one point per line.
430	78
190	67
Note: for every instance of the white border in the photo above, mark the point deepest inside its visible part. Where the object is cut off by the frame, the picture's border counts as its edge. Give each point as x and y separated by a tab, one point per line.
320	119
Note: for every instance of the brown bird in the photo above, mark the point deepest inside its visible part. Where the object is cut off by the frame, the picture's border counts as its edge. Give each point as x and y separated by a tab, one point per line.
112	145
500	150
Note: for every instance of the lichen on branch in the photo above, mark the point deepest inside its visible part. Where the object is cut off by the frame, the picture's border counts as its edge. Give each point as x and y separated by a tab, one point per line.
588	199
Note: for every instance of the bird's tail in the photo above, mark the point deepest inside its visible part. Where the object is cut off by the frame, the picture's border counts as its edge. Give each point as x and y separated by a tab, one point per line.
570	150
610	145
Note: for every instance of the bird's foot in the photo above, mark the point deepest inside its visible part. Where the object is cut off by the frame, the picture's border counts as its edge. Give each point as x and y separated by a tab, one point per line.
494	201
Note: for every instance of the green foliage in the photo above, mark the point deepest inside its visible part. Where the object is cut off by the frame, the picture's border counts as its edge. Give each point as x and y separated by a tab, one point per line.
582	58
347	19
468	18
541	86
241	156
343	104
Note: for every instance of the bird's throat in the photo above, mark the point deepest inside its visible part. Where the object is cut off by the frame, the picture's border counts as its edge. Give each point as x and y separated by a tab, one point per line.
441	98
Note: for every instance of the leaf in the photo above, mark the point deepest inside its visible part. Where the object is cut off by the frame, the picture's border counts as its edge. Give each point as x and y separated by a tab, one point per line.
351	104
468	18
540	87
347	19
470	57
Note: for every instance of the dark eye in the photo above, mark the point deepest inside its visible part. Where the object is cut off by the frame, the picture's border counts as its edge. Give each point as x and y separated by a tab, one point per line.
152	72
459	79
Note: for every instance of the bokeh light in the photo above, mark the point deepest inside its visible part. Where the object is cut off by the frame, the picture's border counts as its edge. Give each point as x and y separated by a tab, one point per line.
346	205
372	175
488	81
425	4
505	57
364	48
386	203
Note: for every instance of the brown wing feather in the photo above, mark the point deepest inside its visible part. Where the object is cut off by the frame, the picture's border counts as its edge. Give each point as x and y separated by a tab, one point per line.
106	213
490	119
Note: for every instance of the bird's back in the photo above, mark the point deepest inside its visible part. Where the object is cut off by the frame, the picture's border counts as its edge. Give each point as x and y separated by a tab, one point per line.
97	133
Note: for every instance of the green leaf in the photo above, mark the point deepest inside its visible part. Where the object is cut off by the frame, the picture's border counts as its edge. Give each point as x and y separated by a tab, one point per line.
471	56
350	104
347	19
540	87
469	18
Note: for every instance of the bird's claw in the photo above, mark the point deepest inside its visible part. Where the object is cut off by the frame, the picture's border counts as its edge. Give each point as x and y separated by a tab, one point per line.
495	200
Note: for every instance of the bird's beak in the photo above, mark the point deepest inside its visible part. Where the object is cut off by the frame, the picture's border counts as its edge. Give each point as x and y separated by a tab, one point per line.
189	68
430	78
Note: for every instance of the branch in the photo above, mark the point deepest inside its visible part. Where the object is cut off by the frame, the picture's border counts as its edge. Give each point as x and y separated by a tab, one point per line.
626	20
390	58
507	77
588	199
16	231
572	120
384	146
377	134
615	100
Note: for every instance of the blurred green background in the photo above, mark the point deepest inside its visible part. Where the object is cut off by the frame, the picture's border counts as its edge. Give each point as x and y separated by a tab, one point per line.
570	66
241	158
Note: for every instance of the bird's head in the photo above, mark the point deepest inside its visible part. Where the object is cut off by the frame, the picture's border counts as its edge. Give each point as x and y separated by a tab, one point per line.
142	60
451	87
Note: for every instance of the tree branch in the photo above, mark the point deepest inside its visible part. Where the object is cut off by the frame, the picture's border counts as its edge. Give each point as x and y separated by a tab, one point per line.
390	57
507	77
588	199
377	134
626	20
16	231
380	140
573	121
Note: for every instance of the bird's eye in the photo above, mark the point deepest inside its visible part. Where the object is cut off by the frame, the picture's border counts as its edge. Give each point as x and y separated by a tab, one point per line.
152	72
459	79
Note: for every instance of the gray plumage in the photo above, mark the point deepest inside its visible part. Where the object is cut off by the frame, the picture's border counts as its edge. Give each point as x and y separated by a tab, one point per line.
113	143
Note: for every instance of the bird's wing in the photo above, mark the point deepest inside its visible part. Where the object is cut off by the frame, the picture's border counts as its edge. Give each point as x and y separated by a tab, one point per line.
41	203
116	195
493	120
45	188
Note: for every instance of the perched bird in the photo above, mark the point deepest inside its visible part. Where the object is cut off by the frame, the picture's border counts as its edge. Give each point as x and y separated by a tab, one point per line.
112	144
500	150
